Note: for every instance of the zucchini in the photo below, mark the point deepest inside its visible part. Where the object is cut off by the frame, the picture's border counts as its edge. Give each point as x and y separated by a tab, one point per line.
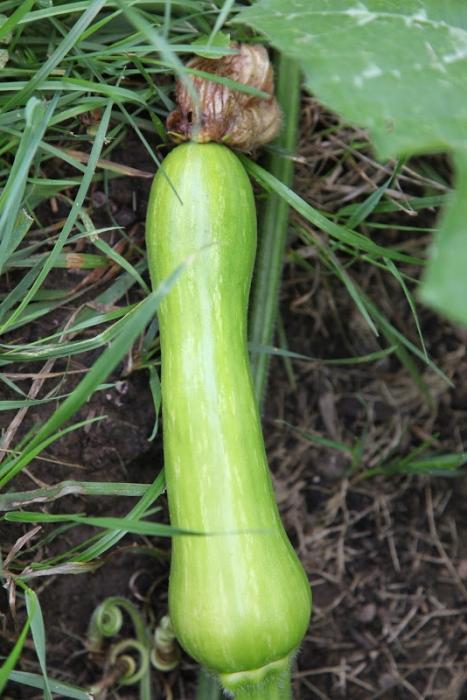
239	599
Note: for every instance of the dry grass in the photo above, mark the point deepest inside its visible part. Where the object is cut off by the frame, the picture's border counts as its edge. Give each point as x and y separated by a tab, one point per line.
386	556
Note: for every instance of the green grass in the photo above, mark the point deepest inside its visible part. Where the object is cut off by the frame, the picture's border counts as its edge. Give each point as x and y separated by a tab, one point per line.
118	60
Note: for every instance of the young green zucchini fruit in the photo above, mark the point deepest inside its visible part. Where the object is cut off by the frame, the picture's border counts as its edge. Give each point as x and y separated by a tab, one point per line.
239	599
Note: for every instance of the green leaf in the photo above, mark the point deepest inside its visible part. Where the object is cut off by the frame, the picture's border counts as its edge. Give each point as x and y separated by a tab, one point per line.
400	70
445	283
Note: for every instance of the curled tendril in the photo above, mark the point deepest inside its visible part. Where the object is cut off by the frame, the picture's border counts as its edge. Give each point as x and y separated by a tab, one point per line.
165	654
106	621
121	667
131	671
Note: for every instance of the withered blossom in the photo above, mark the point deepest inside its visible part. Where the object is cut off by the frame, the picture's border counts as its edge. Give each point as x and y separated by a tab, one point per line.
222	113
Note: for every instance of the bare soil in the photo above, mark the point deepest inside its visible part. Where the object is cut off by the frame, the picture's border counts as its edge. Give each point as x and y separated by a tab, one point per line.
386	556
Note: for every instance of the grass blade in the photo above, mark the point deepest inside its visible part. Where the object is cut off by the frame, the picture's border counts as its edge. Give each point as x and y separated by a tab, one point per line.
10	468
12	658
59	53
17	499
393	269
97	546
71	218
137	527
340	233
62	689
96	375
38	636
37	119
15	18
363	210
136	320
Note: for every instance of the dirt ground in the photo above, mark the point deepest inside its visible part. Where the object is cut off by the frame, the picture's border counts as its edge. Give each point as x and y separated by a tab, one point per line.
386	556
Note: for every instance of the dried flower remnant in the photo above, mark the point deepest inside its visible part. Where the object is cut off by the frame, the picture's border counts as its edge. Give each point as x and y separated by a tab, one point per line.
222	113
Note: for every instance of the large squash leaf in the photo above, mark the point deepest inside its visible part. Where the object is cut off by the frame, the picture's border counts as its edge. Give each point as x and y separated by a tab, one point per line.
398	68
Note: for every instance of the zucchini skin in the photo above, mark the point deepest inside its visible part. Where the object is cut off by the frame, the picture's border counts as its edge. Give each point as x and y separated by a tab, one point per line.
239	598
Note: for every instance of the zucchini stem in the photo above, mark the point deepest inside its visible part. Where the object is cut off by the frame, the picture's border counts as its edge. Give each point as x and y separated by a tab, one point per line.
278	690
273	228
270	683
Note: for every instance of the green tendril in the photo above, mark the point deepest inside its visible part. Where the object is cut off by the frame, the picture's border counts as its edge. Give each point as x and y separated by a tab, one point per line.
165	655
107	621
131	672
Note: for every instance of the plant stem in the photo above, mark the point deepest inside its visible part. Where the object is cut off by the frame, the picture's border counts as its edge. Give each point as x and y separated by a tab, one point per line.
269	692
264	693
271	682
208	687
273	229
275	685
